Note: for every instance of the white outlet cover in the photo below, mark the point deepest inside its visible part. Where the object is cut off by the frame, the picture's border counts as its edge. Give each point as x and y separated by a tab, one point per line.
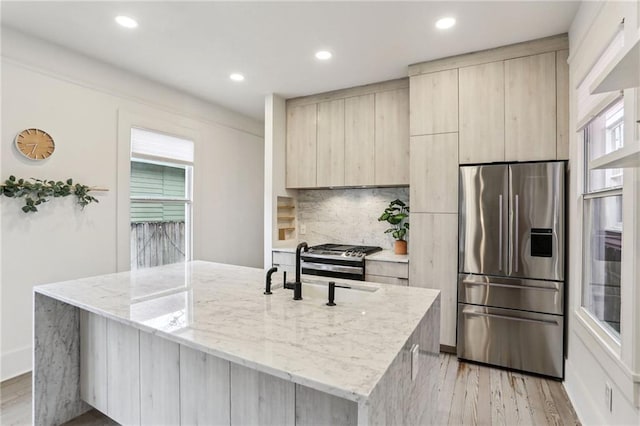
414	361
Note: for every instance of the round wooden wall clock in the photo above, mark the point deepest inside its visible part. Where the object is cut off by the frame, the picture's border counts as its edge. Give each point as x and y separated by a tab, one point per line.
35	144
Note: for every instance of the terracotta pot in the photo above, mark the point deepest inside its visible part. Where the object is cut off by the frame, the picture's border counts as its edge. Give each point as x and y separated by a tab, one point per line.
400	247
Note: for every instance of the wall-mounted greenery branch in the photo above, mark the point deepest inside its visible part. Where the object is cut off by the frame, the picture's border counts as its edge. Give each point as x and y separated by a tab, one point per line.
38	191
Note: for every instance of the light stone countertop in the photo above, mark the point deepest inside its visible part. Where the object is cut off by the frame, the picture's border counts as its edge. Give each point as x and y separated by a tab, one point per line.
285	249
388	256
220	309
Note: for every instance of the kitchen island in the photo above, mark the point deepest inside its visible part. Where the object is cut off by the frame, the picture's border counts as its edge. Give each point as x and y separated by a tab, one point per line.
199	343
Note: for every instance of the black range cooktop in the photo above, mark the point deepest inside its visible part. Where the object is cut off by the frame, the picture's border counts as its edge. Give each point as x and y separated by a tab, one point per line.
339	249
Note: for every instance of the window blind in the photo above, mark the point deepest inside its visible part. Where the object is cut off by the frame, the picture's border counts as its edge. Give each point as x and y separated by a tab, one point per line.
588	105
149	144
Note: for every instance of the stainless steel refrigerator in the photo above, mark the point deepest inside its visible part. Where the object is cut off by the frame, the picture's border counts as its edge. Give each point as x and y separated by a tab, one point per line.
511	288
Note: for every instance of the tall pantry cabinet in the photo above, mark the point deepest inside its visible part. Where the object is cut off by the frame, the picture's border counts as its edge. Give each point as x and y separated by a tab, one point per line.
504	104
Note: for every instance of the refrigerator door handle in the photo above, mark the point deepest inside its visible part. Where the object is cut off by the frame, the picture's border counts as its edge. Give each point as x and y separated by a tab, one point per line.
500	234
516	230
509	317
518	287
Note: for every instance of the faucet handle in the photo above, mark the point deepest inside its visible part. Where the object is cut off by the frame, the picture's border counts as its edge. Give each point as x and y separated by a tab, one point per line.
267	283
332	293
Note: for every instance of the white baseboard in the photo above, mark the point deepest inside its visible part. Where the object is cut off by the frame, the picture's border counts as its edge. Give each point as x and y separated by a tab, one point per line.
15	363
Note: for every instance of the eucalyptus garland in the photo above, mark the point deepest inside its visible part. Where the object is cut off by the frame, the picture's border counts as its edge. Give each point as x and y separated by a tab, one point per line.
38	191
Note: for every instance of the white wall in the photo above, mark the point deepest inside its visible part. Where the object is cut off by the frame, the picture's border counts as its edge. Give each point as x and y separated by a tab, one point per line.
594	358
275	123
79	101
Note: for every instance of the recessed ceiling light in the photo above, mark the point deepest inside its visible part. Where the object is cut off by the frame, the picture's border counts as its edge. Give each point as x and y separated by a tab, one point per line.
236	76
323	55
126	21
445	23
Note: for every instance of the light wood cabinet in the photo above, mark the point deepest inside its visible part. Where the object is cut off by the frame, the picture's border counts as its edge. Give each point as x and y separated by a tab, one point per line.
330	140
354	137
562	99
206	400
159	392
482	113
93	360
392	137
433	248
394	273
434	103
359	142
434	173
530	108
301	146
123	388
260	399
387	269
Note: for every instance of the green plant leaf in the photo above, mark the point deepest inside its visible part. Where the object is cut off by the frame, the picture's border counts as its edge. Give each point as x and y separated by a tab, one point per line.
37	191
406	225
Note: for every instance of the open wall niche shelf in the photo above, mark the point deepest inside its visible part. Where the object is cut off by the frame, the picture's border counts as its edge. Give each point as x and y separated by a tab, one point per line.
286	217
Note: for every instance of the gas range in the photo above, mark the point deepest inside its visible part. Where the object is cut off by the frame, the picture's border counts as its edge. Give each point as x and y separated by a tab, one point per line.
337	260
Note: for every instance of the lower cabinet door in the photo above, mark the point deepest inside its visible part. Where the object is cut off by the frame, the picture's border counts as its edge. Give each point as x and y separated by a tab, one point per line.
526	341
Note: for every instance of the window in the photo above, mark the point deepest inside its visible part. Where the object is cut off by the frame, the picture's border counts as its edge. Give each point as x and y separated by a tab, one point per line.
160	191
603	220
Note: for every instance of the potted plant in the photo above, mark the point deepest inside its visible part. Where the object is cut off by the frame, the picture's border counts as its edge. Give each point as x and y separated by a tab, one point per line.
397	214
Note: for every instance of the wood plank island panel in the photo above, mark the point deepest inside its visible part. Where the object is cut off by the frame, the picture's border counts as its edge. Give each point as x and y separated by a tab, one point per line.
547	399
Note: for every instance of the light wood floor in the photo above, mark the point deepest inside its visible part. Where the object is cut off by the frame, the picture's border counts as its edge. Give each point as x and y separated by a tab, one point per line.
470	394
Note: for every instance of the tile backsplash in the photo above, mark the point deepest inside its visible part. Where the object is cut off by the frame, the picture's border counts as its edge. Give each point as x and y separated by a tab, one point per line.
347	216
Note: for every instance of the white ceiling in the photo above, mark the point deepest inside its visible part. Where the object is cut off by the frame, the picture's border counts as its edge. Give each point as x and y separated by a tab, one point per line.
194	46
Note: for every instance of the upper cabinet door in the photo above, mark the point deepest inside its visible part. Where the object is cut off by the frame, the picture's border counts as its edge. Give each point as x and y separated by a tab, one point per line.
330	163
392	137
434	103
562	98
530	107
301	146
359	134
482	113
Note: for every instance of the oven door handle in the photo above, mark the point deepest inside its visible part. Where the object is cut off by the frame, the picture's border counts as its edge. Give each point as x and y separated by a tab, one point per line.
332	268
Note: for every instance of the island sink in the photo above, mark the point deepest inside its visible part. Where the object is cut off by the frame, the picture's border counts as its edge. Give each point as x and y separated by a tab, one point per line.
229	354
344	293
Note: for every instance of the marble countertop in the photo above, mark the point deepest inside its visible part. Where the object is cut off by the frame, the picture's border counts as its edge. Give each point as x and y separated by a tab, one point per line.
285	249
388	256
381	256
220	309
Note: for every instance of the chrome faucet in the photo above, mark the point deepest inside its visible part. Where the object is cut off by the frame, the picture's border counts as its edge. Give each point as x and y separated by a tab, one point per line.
297	285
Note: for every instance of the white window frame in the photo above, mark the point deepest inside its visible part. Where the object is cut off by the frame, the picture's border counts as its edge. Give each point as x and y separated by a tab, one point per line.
611	339
157	121
187	200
